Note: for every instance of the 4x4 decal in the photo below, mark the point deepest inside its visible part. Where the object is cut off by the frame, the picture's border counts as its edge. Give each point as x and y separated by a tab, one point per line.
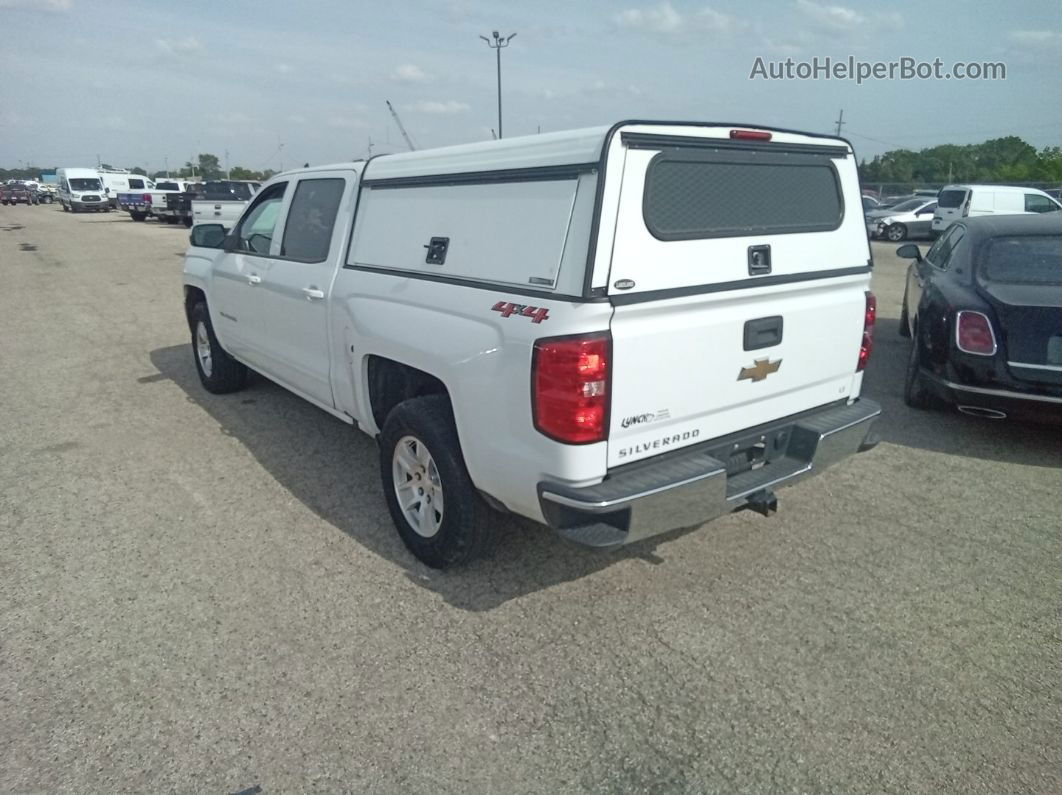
507	309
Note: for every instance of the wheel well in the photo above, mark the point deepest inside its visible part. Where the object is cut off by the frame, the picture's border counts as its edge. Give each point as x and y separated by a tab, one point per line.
392	382
192	296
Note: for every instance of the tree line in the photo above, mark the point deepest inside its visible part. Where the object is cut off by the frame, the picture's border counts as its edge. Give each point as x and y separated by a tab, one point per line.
1008	159
206	167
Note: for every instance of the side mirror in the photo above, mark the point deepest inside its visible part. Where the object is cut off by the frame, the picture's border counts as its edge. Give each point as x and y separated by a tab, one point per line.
909	251
230	243
208	235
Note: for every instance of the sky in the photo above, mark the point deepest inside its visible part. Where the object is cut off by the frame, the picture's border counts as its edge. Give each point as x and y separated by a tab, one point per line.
278	84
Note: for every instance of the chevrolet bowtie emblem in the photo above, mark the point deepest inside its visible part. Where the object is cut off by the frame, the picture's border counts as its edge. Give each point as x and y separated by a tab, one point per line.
760	369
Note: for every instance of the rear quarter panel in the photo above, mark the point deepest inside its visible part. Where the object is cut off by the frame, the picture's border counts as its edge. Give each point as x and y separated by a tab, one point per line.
484	359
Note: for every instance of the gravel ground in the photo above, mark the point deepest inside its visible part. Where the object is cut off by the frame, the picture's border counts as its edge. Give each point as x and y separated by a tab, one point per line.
202	593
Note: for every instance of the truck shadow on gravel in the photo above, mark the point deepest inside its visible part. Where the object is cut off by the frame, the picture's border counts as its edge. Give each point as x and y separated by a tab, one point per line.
945	430
334	470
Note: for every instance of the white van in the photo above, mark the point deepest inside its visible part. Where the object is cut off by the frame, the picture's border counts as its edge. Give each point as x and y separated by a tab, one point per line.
959	201
81	189
117	181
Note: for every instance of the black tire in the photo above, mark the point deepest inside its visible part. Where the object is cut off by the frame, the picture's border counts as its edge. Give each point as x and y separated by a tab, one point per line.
896	232
915	393
905	321
138	216
188	223
225	373
464	524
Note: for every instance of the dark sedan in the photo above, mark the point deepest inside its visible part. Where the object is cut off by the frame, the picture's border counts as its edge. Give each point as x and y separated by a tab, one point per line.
984	310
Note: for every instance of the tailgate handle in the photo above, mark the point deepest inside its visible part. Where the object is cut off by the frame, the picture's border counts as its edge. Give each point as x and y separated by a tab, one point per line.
763	332
759	260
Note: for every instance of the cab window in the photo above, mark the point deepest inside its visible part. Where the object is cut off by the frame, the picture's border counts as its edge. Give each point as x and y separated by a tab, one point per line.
255	233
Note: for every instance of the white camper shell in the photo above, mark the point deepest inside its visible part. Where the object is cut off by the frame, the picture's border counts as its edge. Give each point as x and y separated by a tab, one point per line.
718	272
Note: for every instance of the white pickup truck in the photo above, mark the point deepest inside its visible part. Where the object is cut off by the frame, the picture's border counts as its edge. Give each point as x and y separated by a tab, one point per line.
616	331
222	202
140	204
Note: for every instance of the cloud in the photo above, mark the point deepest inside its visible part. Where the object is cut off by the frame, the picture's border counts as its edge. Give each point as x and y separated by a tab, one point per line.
663	19
410	73
47	5
450	106
296	118
658	19
1041	39
179	46
839	19
285	68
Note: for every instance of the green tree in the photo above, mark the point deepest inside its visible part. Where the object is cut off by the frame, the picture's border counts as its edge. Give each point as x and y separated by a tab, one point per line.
209	167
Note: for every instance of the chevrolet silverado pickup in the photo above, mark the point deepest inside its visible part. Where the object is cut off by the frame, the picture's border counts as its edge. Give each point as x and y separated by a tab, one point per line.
615	332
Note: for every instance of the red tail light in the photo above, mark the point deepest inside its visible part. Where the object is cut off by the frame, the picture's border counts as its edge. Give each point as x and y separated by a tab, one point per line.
870	315
750	135
973	333
570	387
147	198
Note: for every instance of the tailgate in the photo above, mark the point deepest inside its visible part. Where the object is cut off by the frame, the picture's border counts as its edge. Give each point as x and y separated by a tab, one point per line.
738	276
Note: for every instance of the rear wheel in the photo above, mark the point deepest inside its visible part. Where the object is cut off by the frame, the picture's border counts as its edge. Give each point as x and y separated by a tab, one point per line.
218	372
439	515
896	232
138	216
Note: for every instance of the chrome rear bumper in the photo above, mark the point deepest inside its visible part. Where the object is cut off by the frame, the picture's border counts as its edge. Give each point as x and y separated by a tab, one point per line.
689	488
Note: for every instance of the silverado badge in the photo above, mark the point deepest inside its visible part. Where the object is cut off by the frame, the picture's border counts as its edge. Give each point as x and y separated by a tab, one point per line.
760	369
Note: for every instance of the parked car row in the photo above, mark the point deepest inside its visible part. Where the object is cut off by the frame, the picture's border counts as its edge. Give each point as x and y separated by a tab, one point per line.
17	191
169	200
928	213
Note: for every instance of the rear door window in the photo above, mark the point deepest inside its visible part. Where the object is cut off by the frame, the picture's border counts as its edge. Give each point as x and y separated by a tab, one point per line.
699	195
1035	203
311	218
136	184
950	199
940	252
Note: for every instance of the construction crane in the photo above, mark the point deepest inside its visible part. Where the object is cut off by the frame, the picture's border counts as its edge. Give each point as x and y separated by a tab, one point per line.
401	129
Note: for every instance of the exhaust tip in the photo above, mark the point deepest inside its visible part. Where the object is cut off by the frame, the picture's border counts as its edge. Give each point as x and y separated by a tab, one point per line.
979	411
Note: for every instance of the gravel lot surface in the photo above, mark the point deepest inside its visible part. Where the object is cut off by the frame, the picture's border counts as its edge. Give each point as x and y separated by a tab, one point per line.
203	593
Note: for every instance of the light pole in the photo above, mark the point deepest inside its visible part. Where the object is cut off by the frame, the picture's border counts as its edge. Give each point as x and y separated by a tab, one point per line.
496	45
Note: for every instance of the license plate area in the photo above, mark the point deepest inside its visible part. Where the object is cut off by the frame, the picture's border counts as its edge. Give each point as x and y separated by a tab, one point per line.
752	452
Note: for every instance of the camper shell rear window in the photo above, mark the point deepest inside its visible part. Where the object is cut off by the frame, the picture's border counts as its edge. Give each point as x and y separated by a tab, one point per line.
694	194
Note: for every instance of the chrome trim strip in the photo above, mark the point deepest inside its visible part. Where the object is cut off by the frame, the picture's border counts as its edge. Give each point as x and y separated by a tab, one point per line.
1052	367
980	390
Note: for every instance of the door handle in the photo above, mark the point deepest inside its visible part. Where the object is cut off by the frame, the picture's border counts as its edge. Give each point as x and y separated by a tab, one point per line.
312	293
254	279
